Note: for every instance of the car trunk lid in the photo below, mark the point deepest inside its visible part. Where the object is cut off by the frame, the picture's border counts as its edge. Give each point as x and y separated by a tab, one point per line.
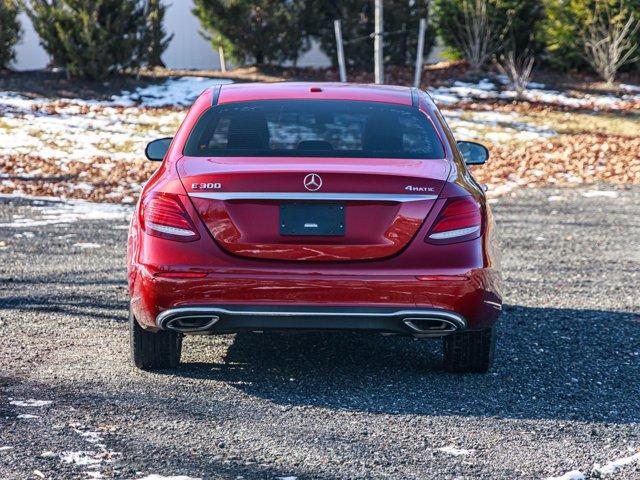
312	209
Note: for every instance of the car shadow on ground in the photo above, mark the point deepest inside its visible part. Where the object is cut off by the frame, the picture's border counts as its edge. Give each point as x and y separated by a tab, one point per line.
551	363
97	293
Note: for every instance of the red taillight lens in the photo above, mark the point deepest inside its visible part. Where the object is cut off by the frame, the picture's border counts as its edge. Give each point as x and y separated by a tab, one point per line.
163	215
459	220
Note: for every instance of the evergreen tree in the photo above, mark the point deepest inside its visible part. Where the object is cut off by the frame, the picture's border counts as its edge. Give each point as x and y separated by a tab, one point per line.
91	38
158	39
260	31
10	31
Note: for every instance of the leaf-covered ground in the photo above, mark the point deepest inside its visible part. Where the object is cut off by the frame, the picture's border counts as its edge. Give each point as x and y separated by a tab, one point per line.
91	145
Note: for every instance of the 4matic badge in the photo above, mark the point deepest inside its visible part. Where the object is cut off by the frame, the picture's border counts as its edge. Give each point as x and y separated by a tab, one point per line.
411	188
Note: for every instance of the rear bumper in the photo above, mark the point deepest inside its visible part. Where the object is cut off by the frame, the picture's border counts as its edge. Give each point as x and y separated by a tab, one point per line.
234	318
319	301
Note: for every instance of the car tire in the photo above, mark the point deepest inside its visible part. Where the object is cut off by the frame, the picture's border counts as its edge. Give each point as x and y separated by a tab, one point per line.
153	350
469	352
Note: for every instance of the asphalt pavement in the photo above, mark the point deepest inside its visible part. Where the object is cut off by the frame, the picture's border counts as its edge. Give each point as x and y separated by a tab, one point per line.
564	394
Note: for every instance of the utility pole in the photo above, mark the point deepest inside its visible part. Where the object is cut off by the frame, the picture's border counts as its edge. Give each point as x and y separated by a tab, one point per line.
377	43
223	64
421	31
340	48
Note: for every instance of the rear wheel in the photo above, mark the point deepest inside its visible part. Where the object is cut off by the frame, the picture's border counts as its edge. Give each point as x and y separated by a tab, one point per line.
153	351
469	352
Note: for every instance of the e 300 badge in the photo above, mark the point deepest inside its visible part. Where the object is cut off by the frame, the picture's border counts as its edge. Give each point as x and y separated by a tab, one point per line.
206	186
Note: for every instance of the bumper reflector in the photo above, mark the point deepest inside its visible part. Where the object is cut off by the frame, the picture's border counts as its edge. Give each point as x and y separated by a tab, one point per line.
181	274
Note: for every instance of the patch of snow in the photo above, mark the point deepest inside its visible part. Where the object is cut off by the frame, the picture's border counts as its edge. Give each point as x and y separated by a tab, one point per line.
91	436
535	92
630	88
455	451
85	245
572	475
555	198
502	189
48	454
572	178
30	403
5	448
611	467
494	118
101	136
39	474
463	90
91	131
94	474
494	126
14	101
180	91
441	96
80	458
559	98
27	416
600	193
68	211
89	457
173	477
287	478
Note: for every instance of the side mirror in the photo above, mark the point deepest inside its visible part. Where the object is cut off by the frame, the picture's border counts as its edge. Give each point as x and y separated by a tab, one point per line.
157	149
473	153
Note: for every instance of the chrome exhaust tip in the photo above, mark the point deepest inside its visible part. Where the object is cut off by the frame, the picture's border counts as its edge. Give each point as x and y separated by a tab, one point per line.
431	327
192	323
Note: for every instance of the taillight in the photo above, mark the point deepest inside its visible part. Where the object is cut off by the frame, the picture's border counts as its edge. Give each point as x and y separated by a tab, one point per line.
163	215
459	220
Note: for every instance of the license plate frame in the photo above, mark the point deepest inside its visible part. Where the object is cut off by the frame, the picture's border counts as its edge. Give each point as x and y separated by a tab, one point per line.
312	219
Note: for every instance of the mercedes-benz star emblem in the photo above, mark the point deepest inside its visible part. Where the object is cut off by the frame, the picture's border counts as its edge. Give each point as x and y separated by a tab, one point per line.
312	182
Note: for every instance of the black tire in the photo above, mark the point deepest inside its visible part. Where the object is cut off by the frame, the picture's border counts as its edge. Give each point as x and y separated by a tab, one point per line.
469	352
153	351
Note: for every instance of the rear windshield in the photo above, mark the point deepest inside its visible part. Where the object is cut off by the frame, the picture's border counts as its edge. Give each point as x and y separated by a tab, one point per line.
322	128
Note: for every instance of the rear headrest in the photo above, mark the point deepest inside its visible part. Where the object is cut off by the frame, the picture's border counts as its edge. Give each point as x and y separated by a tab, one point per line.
248	132
382	133
318	145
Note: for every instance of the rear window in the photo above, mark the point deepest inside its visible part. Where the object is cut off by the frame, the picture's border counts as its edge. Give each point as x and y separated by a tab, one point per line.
323	128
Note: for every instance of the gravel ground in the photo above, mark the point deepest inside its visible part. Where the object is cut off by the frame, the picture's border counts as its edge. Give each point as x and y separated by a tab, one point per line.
564	394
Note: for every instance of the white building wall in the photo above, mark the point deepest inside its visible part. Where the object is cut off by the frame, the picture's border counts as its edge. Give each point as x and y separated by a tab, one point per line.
188	49
29	54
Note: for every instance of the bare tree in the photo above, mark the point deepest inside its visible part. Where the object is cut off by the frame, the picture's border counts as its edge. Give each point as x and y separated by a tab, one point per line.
478	36
610	39
516	67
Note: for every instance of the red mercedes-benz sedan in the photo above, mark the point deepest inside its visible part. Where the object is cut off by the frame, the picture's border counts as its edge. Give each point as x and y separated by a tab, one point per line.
313	206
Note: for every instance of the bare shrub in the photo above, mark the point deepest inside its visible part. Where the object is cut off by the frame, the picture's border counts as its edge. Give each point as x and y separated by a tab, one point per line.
517	68
478	36
610	39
